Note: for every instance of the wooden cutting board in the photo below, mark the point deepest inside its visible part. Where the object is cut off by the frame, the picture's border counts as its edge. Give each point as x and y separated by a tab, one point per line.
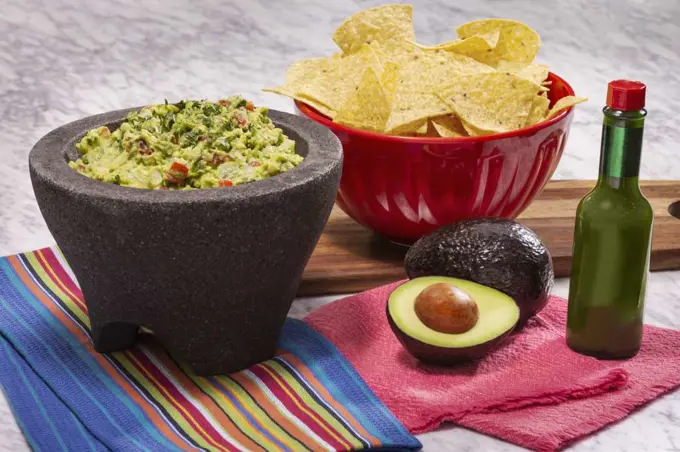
350	258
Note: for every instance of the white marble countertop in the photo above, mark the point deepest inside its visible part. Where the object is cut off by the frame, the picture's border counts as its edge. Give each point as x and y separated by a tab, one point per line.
64	59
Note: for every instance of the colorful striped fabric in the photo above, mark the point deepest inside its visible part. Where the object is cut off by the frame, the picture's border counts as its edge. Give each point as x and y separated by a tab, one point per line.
66	396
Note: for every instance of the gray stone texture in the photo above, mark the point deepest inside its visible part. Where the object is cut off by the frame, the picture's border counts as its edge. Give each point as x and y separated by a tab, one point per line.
212	272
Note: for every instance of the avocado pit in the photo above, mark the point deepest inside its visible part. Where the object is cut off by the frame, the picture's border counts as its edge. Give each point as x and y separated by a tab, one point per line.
446	308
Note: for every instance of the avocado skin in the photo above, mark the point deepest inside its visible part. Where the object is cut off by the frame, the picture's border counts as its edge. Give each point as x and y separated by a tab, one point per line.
495	252
444	356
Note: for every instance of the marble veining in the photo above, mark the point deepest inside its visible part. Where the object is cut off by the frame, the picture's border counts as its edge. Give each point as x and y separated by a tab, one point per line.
64	59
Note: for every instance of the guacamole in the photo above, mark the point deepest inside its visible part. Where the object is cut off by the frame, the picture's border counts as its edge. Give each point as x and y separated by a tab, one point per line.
187	145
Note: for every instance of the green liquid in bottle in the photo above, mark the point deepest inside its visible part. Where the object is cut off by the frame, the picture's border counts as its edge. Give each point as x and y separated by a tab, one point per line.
612	239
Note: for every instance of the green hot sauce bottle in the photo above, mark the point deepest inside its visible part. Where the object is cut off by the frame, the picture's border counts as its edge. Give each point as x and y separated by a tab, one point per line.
612	237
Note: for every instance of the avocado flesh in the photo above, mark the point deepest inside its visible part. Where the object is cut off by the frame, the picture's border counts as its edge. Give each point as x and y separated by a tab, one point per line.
498	314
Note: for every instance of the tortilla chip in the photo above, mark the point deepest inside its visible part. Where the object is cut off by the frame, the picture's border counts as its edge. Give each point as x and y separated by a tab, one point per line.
422	130
411	109
473	131
482	83
368	107
537	73
411	119
443	65
419	78
328	81
389	25
431	131
389	78
307	69
379	53
469	46
564	103
539	109
517	41
333	86
493	102
442	46
301	74
318	107
321	108
476	45
448	126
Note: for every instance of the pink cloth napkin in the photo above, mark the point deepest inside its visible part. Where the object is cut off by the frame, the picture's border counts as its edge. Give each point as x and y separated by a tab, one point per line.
533	391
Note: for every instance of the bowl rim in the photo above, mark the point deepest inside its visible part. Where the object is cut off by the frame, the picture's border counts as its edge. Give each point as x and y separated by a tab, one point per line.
48	165
313	114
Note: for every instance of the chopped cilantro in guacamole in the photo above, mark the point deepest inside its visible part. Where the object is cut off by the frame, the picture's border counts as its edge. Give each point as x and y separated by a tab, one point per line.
190	144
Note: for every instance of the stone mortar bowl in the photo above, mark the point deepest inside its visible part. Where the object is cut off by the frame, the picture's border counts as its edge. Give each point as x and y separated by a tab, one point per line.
212	272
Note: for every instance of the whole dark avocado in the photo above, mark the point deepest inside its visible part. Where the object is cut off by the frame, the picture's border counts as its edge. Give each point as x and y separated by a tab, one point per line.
495	252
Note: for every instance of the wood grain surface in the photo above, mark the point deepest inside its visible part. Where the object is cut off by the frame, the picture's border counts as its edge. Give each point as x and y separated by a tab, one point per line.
350	258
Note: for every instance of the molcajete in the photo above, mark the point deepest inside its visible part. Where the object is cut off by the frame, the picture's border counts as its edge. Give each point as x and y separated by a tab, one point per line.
212	272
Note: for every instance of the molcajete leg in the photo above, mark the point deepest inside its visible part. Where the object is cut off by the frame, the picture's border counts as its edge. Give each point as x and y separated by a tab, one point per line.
229	340
112	337
219	353
110	329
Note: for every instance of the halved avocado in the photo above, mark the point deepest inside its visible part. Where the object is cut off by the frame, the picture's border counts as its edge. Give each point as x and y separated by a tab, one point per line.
497	316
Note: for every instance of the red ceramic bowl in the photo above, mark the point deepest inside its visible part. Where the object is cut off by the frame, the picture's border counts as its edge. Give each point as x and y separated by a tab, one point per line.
405	187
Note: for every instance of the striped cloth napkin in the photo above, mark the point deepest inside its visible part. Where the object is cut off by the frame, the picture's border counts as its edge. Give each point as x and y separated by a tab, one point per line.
66	396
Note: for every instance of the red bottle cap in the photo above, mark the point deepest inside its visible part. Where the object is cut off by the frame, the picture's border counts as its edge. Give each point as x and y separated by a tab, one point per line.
626	95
